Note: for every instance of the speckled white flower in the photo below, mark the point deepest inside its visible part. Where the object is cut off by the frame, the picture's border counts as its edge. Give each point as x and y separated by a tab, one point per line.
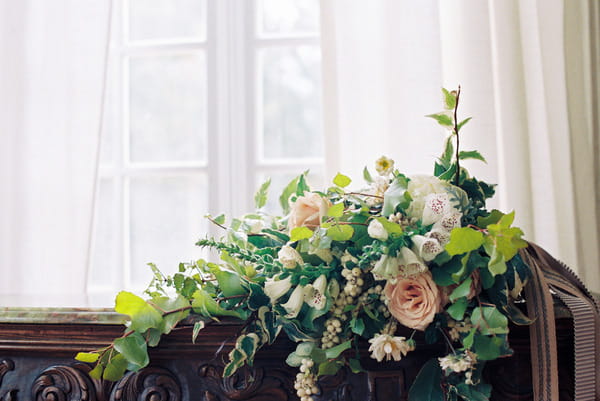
294	303
427	248
314	294
388	347
420	187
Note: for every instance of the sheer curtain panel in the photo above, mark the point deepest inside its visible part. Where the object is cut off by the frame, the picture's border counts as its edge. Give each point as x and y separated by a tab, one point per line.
51	84
529	75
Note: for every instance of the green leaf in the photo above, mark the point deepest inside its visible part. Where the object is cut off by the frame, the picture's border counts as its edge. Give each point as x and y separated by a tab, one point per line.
462	290
449	99
236	360
294	360
462	123
341	180
443	119
300	233
329	368
220	219
96	373
355	365
302	186
261	196
470	338
464	239
446	158
458	308
230	283
516	315
493	218
497	264
89	357
305	348
391	228
489	320
143	316
340	232
487	348
284	198
367	176
357	325
198	326
167	304
134	349
395	195
336	210
204	304
336	351
471	154
427	385
115	369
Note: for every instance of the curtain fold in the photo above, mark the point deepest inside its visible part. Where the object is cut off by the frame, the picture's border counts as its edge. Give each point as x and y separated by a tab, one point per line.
51	83
528	72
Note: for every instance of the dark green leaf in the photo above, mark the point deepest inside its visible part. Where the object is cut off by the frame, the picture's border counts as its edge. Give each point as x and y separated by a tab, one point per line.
458	308
357	325
427	385
489	320
336	351
134	349
329	368
487	348
355	365
115	369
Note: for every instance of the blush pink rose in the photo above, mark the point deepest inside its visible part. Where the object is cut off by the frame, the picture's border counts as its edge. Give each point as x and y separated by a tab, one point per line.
308	210
414	300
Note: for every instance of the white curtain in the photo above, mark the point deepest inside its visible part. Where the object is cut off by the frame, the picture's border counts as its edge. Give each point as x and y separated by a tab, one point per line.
528	72
51	84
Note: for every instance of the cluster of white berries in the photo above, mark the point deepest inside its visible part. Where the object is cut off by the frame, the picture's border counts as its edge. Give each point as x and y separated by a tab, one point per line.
402	220
306	381
333	327
378	290
354	282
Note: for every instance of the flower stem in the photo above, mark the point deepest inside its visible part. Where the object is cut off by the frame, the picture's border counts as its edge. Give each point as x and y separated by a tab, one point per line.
457	176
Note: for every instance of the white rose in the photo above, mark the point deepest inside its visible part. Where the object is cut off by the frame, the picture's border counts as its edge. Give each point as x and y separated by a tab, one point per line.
289	257
377	231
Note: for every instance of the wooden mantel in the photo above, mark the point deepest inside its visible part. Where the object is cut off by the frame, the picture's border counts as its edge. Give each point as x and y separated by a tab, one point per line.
37	348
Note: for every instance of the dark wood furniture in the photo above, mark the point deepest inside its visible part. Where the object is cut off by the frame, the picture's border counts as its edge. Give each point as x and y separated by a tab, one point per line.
36	363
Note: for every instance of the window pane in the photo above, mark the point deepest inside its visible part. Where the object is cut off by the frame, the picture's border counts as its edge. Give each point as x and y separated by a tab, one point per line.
280	180
166	215
288	16
167	19
168	108
291	102
106	264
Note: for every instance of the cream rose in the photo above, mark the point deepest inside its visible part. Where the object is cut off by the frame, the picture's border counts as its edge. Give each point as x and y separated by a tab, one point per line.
308	210
414	301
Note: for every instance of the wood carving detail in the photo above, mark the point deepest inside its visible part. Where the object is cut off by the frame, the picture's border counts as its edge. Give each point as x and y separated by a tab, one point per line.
248	384
10	396
63	383
149	384
6	366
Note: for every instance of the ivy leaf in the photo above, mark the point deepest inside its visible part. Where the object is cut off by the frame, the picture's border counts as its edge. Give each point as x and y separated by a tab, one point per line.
336	351
336	210
446	158
443	119
329	368
340	232
355	365
471	154
357	325
170	320
489	320
458	308
462	290
464	239
143	316
260	198
204	304
396	195
134	349
115	369
427	385
341	180
230	283
198	326
487	348
493	218
288	191
300	233
294	360
89	357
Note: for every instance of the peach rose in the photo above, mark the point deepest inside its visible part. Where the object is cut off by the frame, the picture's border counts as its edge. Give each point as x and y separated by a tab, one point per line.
414	300
308	210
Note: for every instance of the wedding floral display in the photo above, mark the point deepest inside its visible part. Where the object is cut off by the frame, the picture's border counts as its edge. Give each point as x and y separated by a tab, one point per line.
341	267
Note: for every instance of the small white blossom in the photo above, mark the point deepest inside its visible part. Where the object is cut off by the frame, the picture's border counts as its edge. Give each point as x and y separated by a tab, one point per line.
384	165
388	347
289	257
376	230
458	362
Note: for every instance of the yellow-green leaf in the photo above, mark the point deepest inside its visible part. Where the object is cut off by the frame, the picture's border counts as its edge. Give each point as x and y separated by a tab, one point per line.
341	180
300	233
143	316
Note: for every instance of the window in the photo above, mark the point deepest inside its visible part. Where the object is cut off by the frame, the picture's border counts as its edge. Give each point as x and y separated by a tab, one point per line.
207	99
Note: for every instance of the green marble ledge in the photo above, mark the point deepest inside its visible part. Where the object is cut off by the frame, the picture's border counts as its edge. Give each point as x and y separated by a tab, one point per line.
56	315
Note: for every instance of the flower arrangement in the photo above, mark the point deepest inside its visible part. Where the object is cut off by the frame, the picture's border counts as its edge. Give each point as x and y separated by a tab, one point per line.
341	266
